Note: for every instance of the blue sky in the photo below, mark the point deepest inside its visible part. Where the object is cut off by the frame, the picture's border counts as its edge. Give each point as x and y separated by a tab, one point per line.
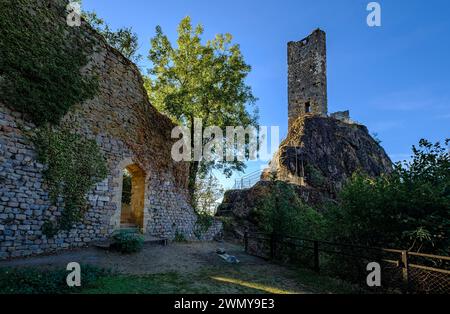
394	79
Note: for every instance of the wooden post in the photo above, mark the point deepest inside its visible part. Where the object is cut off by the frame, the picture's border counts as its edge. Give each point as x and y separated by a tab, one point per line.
405	268
246	241
316	257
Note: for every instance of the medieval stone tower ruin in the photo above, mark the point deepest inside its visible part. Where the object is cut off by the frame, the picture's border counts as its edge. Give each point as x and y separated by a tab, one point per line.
307	76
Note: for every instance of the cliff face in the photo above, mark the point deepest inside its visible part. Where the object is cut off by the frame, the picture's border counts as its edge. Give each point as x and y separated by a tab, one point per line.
317	157
237	208
324	152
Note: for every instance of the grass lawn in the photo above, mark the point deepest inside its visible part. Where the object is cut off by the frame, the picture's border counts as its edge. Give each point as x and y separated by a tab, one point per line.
231	279
214	280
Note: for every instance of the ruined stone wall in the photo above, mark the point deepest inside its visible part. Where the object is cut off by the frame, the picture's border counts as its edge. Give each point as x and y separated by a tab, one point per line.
307	78
129	131
343	116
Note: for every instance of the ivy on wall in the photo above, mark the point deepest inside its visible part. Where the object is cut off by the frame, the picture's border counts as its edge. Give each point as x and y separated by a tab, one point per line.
74	165
40	60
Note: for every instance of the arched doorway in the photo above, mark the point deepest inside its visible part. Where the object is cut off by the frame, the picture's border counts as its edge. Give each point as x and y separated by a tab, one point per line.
133	197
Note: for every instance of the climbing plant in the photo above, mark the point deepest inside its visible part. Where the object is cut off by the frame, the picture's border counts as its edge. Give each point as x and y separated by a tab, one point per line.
41	58
41	62
73	165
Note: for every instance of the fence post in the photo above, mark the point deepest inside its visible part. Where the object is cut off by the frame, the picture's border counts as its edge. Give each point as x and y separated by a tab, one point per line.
405	268
272	246
316	257
246	241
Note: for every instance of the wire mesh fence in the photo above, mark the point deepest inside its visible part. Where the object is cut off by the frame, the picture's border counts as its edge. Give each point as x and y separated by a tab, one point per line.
247	181
401	271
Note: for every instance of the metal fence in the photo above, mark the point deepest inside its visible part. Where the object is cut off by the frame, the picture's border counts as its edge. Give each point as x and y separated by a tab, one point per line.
248	180
401	270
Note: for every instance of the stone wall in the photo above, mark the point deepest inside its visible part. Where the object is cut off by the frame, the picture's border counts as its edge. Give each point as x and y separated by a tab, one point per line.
343	116
129	131
307	78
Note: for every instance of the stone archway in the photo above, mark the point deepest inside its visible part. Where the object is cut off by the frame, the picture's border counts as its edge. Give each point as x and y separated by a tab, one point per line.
130	198
133	197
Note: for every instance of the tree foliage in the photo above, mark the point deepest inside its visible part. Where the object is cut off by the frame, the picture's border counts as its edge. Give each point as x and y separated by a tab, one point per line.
200	80
127	186
207	193
283	213
123	39
409	208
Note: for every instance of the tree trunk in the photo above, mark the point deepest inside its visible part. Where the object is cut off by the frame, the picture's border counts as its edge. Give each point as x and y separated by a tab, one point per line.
193	167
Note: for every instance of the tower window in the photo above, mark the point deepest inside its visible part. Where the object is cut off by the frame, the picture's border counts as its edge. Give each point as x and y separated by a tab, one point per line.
307	107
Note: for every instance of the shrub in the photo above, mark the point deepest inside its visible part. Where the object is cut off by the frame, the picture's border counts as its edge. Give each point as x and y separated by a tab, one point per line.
408	208
128	242
179	237
282	212
203	223
315	176
50	229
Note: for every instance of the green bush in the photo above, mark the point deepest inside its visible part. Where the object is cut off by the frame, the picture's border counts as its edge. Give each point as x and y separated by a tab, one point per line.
282	212
50	229
203	223
34	281
406	209
179	237
315	176
128	242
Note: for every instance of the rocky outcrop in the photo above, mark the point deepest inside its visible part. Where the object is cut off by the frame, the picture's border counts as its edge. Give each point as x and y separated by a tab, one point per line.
236	210
317	157
324	152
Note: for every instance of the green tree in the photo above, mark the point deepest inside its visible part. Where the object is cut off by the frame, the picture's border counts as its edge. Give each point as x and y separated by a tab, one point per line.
123	39
207	193
283	213
409	208
200	80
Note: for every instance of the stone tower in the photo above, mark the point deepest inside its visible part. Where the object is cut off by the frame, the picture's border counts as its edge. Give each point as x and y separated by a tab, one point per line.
307	76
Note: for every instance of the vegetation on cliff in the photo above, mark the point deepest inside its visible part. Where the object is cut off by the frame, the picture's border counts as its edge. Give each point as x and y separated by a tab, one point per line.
282	212
407	208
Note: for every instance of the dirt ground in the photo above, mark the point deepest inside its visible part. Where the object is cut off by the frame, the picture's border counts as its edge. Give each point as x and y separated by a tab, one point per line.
175	257
186	259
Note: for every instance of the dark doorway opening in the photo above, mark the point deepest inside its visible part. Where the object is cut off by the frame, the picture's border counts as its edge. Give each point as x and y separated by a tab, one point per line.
307	107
